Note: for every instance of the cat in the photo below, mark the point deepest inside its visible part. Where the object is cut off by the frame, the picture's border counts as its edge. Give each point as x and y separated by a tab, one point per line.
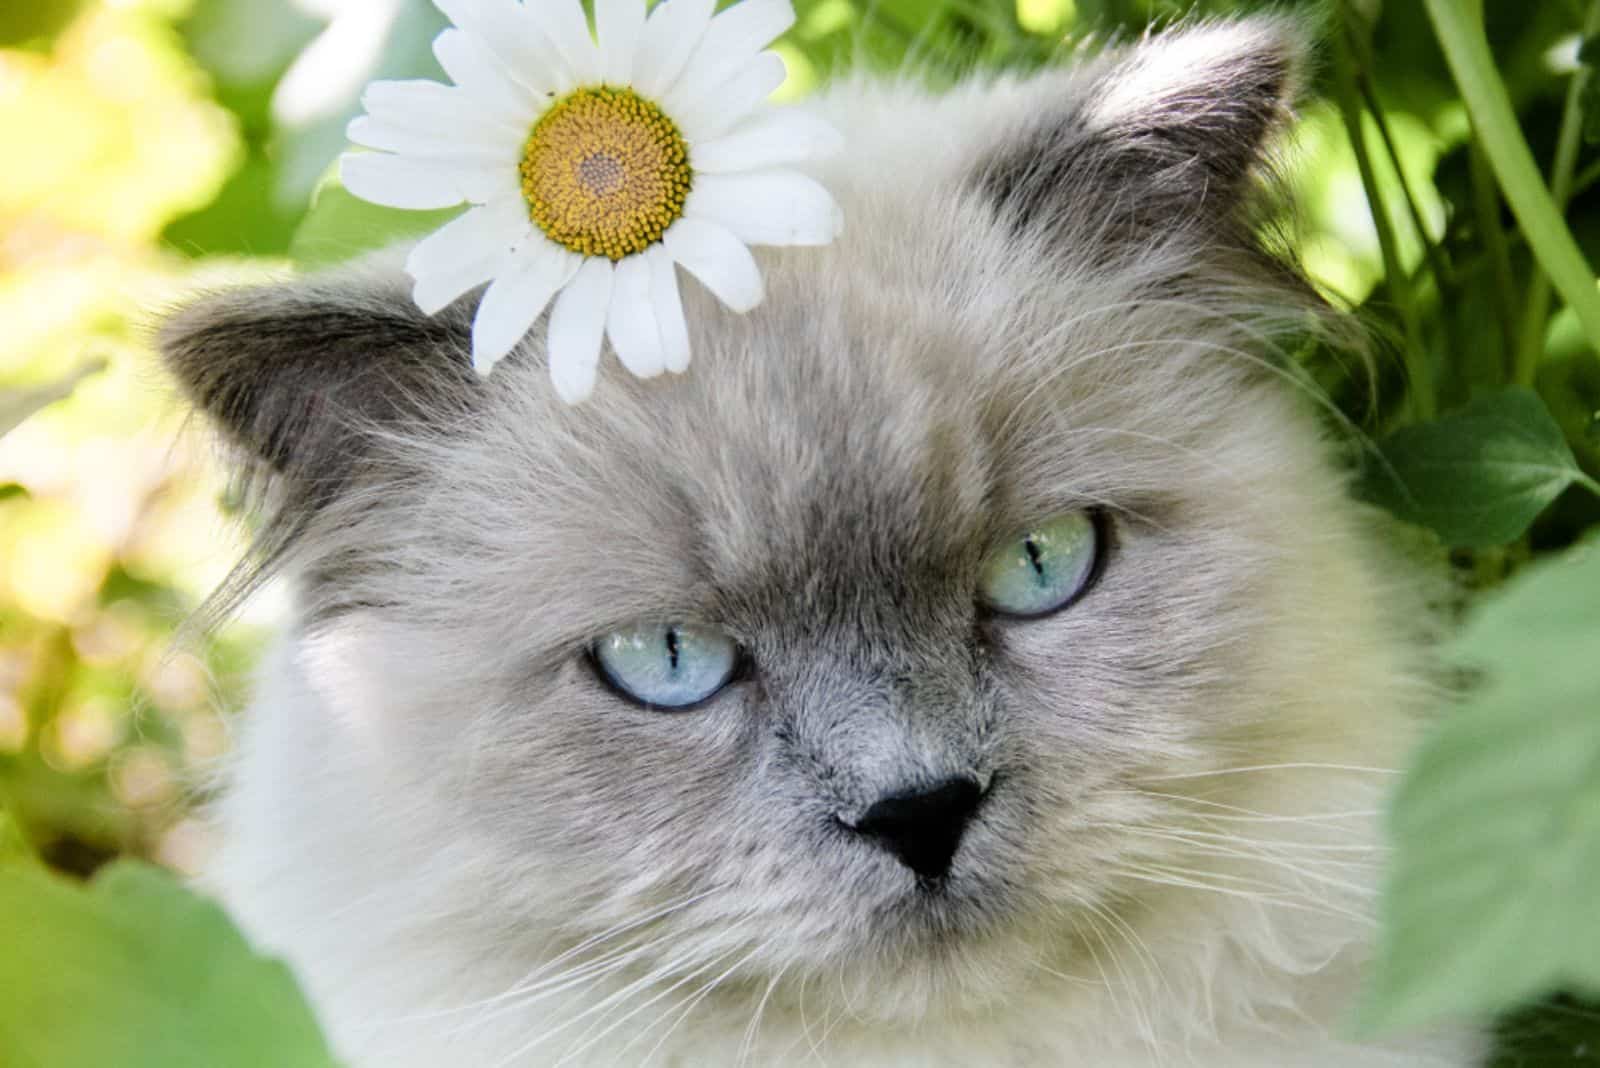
915	817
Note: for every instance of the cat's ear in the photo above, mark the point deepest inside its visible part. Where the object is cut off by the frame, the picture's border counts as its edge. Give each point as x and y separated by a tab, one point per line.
1170	132
307	379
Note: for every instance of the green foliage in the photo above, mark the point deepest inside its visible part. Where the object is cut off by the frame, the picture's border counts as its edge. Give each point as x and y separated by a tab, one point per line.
1478	477
136	971
1491	898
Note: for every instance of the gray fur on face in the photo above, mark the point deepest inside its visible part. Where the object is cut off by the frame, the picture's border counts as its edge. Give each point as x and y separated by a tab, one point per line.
1047	300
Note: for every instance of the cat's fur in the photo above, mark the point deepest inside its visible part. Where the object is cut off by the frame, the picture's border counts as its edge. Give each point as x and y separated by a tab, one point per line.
1050	296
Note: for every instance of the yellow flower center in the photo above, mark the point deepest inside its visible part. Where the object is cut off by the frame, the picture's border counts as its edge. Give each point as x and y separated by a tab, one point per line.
605	172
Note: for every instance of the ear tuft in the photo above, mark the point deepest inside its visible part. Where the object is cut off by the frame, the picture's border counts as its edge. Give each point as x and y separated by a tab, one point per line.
304	377
1170	132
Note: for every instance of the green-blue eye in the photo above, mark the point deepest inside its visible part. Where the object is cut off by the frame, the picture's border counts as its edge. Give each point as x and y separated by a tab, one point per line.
667	665
1044	569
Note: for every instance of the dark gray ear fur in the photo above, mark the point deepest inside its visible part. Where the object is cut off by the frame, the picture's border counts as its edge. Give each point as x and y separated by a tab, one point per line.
302	377
1170	133
307	380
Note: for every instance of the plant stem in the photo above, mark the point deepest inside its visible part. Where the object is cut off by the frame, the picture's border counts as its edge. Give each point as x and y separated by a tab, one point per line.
1361	41
1419	372
1486	204
1458	25
1536	312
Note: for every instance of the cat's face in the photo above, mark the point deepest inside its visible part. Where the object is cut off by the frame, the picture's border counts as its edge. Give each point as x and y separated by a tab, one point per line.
896	769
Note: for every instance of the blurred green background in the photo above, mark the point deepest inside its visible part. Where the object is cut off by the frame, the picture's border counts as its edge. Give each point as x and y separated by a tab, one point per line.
148	147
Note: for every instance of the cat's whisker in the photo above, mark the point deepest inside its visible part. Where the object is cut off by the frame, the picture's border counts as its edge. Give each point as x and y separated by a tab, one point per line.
753	1031
1143	1022
1329	853
539	978
704	992
1306	765
625	927
1275	897
1304	876
587	974
589	1037
1250	815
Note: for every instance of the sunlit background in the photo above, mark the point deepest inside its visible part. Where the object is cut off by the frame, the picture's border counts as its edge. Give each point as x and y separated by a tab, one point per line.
150	146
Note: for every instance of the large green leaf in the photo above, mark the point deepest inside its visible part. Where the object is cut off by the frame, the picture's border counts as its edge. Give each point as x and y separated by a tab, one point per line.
1497	828
136	971
1479	476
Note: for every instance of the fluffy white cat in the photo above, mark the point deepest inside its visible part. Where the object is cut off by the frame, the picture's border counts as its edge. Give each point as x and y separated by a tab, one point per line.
1037	685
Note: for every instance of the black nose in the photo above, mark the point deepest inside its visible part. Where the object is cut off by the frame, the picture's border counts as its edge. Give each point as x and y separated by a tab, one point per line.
923	827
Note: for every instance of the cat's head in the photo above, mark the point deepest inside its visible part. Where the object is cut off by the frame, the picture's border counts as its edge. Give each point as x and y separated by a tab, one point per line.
888	643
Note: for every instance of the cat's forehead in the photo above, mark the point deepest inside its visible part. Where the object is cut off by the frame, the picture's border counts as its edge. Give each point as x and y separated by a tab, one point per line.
852	437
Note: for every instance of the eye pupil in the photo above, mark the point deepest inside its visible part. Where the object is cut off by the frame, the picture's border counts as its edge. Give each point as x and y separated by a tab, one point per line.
1042	569
666	665
1034	556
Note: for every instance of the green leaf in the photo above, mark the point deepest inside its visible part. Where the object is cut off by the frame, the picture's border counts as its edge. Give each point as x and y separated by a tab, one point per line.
1497	828
341	226
138	972
16	405
1479	476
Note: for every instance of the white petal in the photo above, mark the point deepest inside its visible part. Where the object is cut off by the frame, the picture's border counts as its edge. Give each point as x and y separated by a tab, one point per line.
767	207
414	141
785	136
718	259
631	320
399	183
441	109
493	229
466	252
711	114
671	34
617	27
731	41
435	291
526	54
474	67
668	307
563	22
514	300
577	324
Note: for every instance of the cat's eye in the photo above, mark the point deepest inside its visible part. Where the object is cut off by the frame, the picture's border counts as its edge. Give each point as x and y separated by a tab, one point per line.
1044	569
667	665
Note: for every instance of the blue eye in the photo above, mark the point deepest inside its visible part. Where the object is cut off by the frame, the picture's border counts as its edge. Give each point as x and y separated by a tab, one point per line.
1044	569
667	665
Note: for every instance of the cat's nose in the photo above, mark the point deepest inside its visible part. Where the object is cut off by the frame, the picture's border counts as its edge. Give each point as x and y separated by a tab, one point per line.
923	827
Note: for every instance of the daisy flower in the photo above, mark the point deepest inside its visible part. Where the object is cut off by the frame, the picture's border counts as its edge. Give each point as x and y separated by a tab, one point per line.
595	165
